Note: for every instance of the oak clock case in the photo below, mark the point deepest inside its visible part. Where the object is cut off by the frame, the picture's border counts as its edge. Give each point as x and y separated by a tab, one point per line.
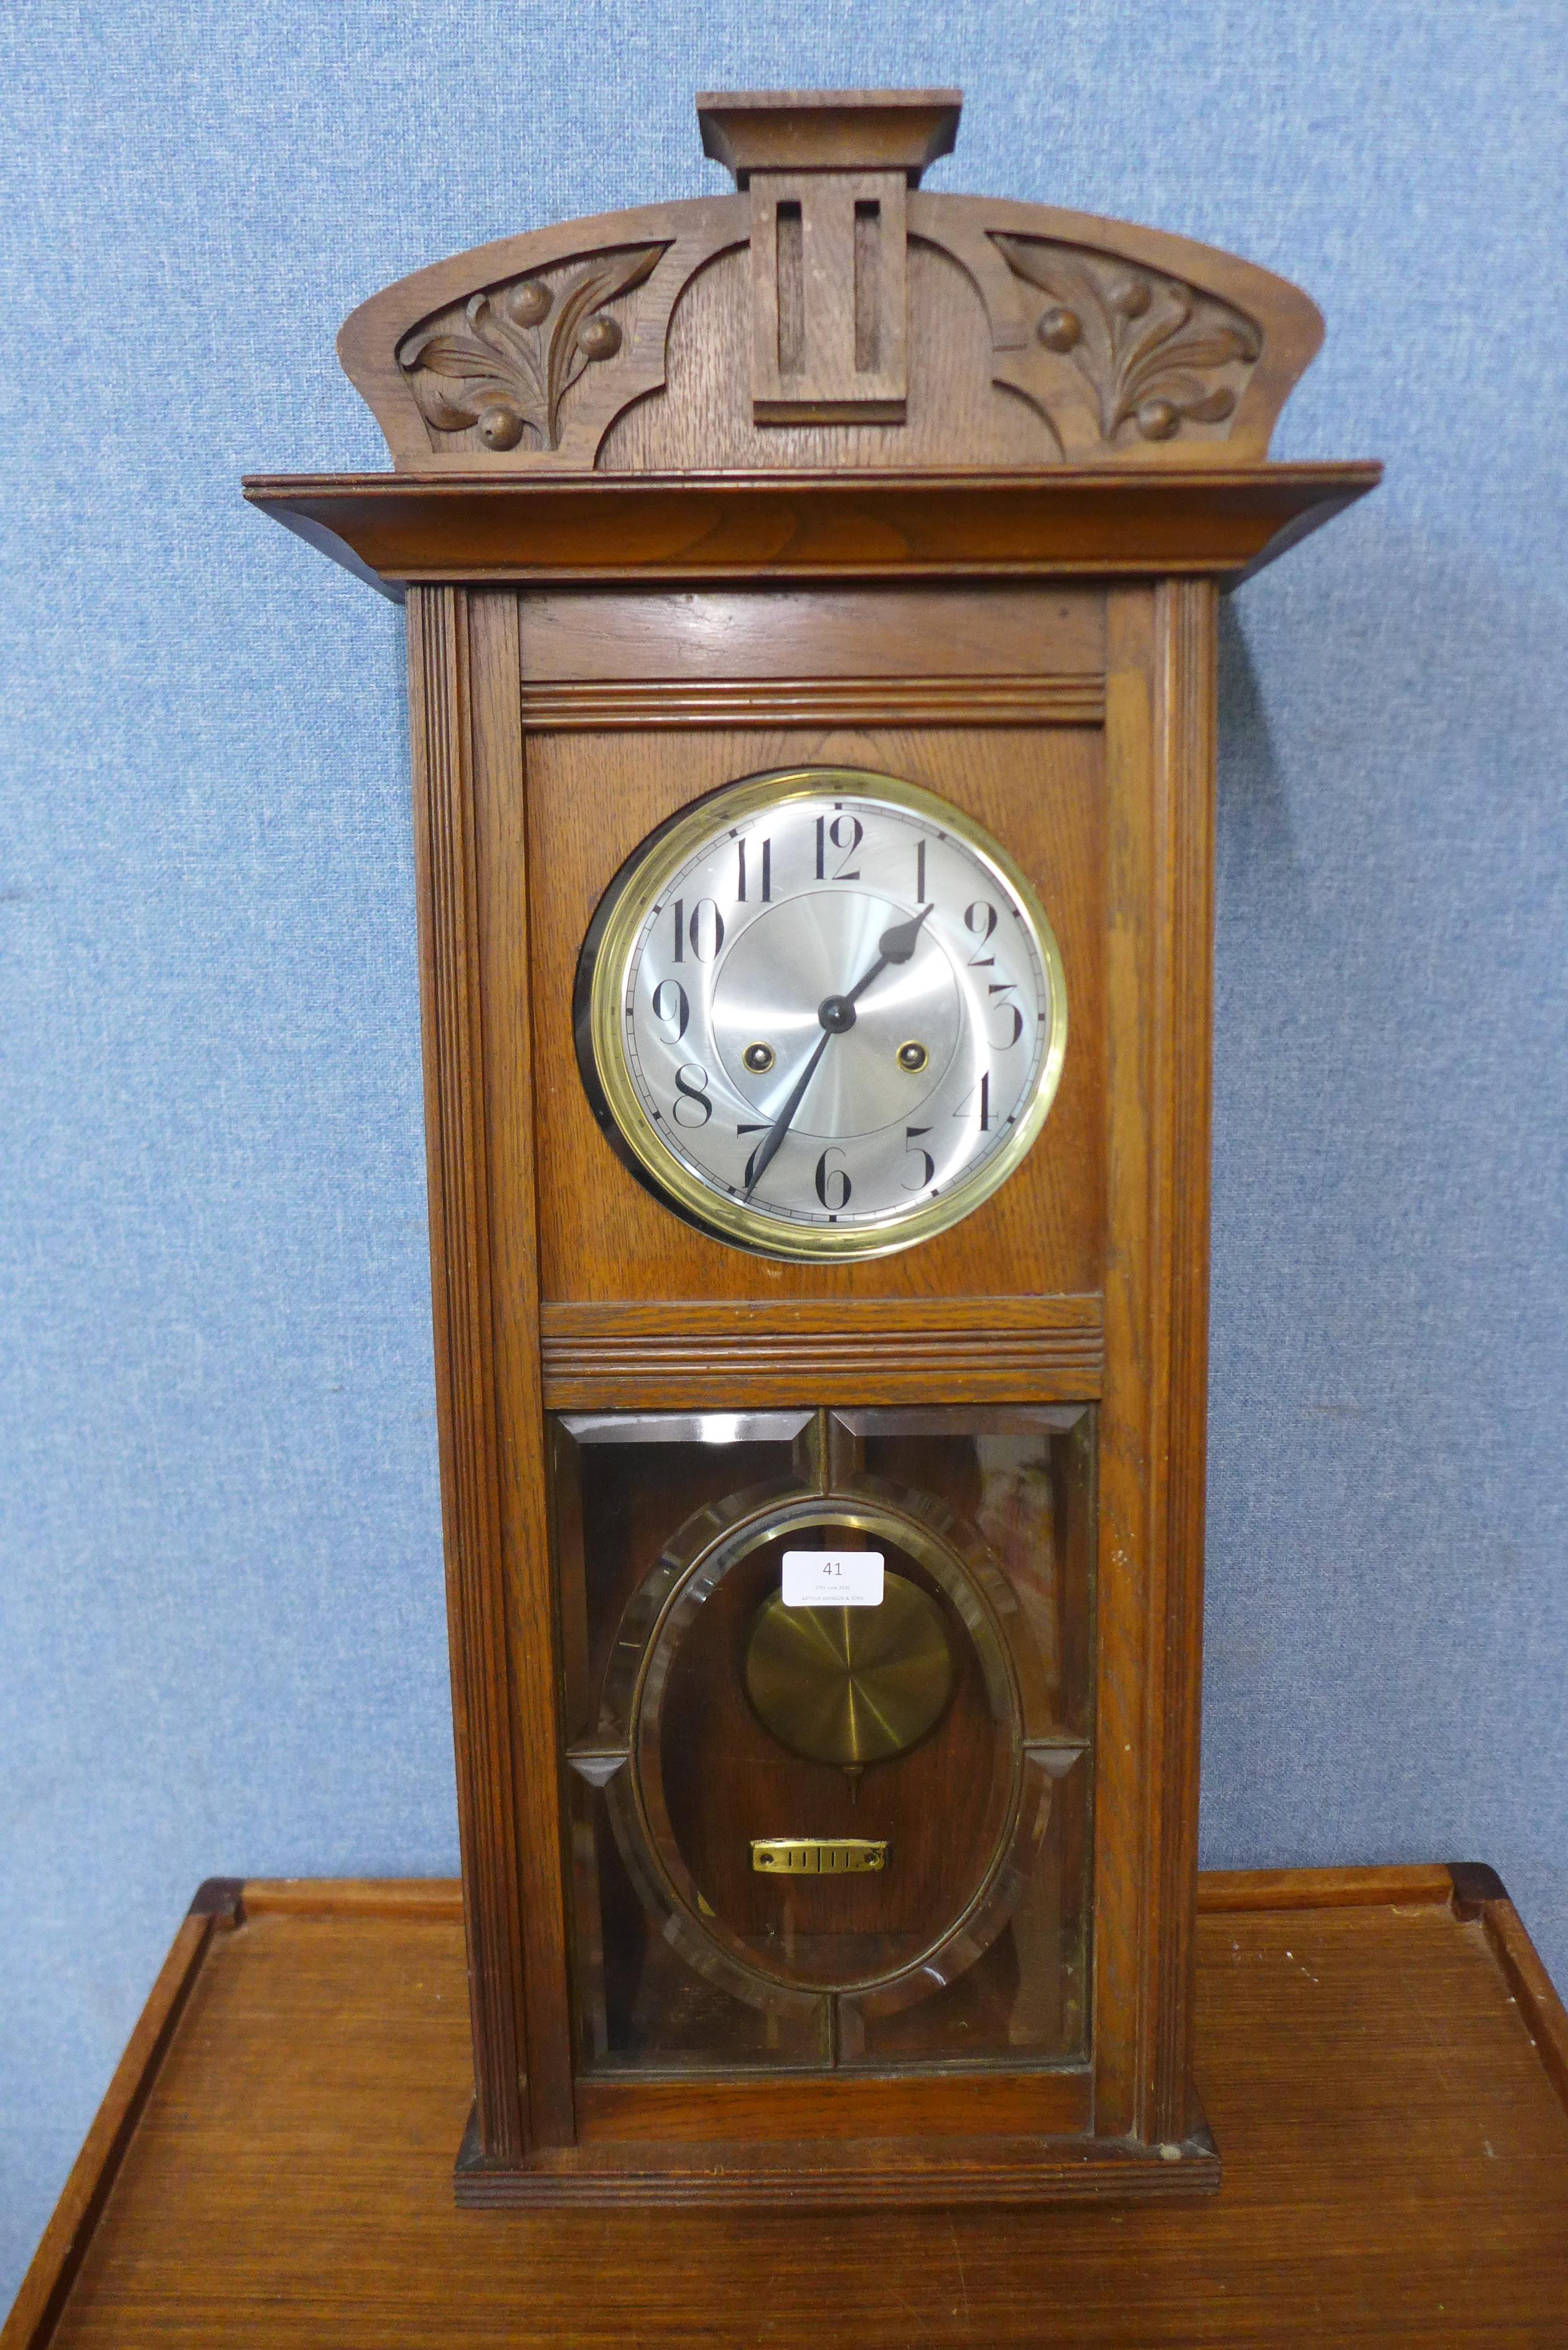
785	913
811	598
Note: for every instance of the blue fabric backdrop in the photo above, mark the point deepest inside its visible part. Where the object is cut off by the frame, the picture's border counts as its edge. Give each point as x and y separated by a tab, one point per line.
221	1613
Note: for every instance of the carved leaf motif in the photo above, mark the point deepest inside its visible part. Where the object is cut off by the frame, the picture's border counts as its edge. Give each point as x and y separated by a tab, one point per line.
1125	330
1213	351
1207	407
527	346
482	392
451	355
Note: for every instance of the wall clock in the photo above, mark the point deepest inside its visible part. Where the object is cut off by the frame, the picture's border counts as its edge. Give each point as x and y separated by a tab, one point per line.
811	604
822	1013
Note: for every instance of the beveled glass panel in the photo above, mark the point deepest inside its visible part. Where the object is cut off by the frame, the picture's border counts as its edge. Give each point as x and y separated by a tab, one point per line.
644	2004
811	1837
624	1482
1023	1477
1022	1997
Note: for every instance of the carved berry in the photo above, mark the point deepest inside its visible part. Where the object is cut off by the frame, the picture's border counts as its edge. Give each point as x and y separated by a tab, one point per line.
528	304
598	339
499	428
1157	420
1060	329
1133	298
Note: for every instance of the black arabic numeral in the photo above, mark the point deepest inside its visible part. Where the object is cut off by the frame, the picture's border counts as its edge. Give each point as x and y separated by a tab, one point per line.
767	871
691	1087
979	922
711	931
831	835
680	911
750	1177
913	1150
920	899
828	1177
1005	1044
983	1090
676	1017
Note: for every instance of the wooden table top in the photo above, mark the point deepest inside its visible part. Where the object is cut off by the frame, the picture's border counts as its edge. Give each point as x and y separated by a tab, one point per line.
1382	2060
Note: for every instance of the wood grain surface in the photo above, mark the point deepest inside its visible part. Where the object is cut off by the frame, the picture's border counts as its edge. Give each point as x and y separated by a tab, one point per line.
1186	618
1160	815
519	1647
443	734
1396	2151
75	2218
792	635
677	1356
1082	521
1024	701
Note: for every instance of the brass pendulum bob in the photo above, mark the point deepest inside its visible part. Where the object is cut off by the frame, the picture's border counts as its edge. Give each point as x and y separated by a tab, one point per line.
850	1685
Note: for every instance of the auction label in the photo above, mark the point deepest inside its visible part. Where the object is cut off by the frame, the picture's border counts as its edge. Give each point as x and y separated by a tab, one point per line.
833	1578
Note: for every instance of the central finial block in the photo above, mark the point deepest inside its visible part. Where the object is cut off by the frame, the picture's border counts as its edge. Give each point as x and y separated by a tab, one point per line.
829	171
828	130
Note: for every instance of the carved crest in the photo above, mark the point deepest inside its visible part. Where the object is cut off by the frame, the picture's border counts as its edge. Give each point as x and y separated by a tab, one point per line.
831	313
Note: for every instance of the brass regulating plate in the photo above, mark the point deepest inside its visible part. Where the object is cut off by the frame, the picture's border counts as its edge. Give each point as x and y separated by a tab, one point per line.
818	1856
850	1685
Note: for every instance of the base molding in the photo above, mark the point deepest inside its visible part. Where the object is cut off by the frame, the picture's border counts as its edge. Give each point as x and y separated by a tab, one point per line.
840	2174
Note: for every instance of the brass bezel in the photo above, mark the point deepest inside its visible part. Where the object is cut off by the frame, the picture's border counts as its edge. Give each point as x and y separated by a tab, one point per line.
601	981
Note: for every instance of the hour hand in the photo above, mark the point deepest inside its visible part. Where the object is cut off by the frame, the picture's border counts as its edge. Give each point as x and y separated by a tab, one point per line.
896	944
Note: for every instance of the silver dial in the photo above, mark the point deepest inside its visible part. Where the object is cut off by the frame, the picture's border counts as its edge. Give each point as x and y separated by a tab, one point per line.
823	1013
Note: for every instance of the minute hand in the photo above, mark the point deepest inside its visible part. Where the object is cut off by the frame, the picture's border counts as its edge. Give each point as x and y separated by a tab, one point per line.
836	1012
767	1150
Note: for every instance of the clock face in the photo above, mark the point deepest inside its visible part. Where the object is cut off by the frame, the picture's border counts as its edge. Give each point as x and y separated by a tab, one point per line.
822	1013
